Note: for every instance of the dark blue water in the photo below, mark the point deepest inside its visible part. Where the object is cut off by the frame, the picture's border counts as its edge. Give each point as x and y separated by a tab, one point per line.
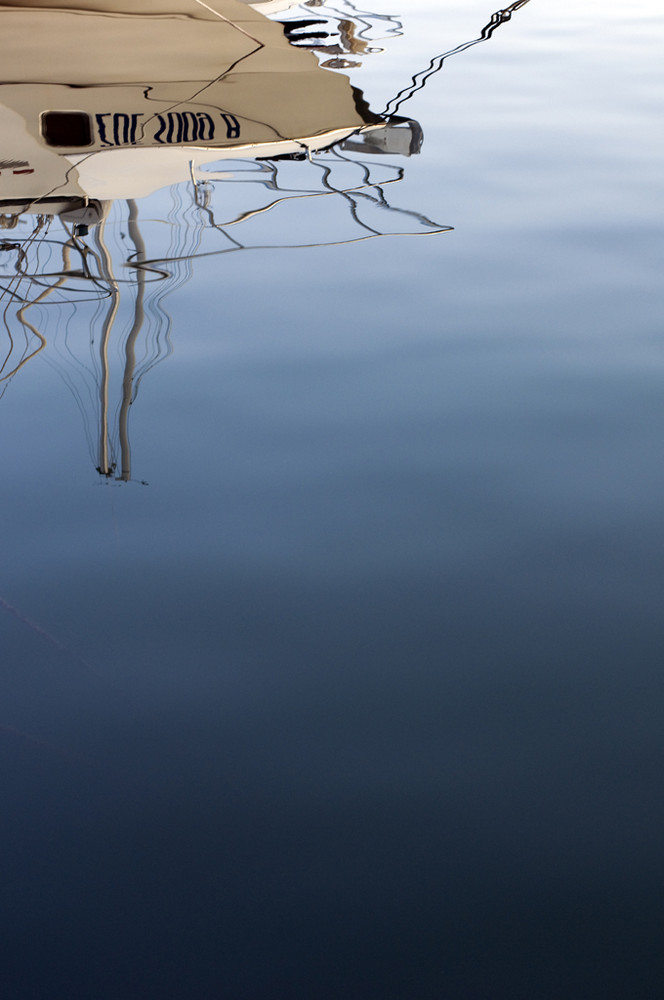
355	690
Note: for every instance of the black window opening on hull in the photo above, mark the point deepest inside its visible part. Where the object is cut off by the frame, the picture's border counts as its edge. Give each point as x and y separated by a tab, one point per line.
66	128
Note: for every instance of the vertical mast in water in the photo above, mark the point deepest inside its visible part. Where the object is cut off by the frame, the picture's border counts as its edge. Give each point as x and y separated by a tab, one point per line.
130	346
106	464
106	267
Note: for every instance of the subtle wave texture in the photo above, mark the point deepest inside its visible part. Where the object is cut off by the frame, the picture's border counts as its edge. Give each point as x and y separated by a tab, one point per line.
333	529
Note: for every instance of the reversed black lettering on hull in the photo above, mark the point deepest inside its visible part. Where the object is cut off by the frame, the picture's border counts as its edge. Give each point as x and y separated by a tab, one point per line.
171	128
232	126
119	130
184	126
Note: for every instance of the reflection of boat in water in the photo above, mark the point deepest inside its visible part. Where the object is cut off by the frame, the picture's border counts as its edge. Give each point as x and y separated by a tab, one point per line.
105	99
176	86
204	99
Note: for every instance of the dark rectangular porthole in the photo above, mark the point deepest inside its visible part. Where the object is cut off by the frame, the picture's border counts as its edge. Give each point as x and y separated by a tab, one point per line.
66	128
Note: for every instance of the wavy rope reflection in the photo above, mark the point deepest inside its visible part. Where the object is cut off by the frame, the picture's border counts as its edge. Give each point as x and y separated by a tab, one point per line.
419	79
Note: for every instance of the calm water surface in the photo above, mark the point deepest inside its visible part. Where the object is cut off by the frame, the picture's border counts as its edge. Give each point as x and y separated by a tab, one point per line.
352	688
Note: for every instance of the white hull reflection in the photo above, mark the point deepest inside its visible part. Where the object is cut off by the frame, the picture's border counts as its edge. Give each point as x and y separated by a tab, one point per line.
102	99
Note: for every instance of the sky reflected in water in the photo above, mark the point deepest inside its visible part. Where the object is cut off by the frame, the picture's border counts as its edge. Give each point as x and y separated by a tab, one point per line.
331	423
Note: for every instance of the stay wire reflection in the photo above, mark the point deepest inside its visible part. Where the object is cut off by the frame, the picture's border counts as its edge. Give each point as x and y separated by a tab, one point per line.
420	79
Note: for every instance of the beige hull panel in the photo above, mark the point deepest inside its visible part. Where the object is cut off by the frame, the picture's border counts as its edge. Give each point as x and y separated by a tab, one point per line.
181	77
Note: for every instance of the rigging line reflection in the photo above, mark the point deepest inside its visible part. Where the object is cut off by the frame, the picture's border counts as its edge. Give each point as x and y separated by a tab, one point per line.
325	165
51	639
13	294
22	258
368	190
149	316
372	234
382	200
420	79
